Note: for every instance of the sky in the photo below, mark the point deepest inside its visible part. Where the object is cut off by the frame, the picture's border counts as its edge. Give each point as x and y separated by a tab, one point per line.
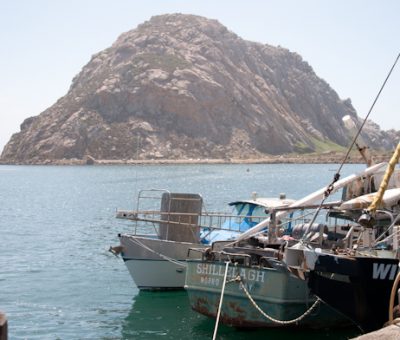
351	44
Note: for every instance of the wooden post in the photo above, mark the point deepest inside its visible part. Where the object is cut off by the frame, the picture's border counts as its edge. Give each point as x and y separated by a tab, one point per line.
272	232
3	327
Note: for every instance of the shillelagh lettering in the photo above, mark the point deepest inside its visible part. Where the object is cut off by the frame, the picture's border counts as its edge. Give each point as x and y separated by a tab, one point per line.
216	270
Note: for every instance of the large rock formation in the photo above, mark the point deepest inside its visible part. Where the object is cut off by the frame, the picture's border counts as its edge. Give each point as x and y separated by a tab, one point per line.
182	86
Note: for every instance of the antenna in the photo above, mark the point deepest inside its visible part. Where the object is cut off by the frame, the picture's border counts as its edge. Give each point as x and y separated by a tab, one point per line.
137	163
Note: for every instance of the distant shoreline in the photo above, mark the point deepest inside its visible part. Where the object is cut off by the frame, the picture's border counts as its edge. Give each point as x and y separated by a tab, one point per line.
328	158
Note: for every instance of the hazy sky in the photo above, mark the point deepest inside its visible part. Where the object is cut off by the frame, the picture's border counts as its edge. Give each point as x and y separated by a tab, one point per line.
350	43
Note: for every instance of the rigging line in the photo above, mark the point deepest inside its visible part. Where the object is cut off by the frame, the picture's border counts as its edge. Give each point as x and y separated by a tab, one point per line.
336	177
166	258
392	235
366	117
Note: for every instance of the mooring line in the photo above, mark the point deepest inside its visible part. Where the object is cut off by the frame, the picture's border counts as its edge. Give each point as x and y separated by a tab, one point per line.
220	300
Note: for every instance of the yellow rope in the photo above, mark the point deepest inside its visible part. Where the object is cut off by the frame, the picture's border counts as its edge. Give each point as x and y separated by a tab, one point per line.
385	181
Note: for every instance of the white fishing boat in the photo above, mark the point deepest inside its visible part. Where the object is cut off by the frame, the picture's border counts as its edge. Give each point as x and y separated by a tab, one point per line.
156	252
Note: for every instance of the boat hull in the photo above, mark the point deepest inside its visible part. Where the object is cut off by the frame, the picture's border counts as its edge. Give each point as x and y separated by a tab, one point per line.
358	287
276	291
156	264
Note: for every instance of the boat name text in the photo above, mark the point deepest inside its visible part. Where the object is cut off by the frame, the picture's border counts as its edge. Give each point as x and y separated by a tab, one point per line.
217	270
384	271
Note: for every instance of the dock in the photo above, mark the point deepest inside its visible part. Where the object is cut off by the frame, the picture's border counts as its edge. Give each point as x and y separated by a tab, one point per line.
391	332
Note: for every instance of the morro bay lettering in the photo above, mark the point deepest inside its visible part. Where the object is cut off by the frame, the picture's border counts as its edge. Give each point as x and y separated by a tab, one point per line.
209	280
219	271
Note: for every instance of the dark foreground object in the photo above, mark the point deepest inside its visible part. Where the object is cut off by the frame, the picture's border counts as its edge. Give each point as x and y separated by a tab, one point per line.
358	287
3	327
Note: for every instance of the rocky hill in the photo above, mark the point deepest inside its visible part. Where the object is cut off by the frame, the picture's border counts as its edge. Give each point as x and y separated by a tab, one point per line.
182	86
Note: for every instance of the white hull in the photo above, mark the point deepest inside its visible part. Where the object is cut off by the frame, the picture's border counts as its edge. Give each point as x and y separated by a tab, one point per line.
154	274
156	264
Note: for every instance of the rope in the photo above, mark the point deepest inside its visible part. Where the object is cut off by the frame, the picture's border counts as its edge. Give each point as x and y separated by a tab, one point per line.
392	296
385	181
336	177
280	322
392	235
169	259
365	120
220	300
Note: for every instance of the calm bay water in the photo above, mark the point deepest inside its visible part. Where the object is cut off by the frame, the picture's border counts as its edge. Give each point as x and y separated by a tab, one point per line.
57	278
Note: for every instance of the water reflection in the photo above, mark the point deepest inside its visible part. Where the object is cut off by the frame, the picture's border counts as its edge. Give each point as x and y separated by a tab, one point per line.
168	315
163	314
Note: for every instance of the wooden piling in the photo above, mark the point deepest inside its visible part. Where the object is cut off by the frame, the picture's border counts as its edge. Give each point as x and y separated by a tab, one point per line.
3	327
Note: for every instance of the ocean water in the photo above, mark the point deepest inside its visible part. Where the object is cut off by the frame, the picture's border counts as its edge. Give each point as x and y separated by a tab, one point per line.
59	281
